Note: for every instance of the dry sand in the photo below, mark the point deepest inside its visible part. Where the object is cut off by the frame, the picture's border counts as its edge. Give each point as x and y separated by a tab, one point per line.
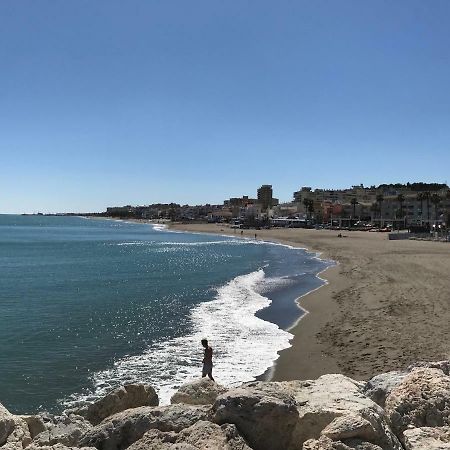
386	304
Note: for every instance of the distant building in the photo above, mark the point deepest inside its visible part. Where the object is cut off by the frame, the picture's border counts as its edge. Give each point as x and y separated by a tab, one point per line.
265	197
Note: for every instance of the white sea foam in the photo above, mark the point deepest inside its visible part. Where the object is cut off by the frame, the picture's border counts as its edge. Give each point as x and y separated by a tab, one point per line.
244	345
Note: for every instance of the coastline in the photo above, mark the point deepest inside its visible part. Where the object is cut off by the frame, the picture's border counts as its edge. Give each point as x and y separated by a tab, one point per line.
383	306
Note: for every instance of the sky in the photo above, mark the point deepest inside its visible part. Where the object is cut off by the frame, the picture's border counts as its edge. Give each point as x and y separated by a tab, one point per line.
112	102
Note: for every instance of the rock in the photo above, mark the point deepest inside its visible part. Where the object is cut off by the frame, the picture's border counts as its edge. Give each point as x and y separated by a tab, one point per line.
125	397
35	424
350	426
122	429
324	443
441	365
66	430
14	431
200	436
57	447
200	392
334	404
6	424
265	413
380	386
422	399
284	415
427	438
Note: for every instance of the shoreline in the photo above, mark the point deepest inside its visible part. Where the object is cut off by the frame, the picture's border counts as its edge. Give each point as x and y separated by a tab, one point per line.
376	311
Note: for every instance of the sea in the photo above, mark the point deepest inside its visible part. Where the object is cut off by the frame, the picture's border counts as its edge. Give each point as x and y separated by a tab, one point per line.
87	305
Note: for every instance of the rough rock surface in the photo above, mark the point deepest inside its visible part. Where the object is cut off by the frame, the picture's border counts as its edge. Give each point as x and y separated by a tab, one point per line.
35	424
200	436
122	429
275	416
120	399
334	404
14	431
441	365
265	413
380	386
57	447
66	430
427	438
324	443
422	399
200	392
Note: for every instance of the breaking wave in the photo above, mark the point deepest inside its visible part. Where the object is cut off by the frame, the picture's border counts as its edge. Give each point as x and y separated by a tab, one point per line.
244	346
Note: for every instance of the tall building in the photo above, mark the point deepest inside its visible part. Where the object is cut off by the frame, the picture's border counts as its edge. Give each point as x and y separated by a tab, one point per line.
265	196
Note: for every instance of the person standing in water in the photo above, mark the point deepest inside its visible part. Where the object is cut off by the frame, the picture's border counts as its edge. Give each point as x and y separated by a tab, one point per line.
207	360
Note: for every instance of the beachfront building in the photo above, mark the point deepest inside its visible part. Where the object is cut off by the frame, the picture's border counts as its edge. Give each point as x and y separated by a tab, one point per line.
390	204
265	197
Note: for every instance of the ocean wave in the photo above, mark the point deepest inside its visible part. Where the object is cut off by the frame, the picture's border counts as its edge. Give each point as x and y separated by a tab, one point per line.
244	346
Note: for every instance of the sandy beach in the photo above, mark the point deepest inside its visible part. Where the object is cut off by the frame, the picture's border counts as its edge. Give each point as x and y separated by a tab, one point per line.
385	305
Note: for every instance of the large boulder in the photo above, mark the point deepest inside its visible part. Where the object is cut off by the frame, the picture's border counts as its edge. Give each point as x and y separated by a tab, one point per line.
66	430
427	438
265	413
14	431
120	399
284	415
200	392
334	406
380	386
122	429
422	399
200	436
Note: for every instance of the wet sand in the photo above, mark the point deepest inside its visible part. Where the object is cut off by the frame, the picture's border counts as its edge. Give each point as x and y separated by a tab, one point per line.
386	304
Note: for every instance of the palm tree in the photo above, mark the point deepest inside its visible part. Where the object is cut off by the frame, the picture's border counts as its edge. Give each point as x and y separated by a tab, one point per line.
380	199
421	197
426	196
373	208
354	202
309	206
401	200
436	200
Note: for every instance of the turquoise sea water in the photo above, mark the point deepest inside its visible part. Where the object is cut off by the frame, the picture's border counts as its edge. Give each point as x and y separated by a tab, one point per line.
86	305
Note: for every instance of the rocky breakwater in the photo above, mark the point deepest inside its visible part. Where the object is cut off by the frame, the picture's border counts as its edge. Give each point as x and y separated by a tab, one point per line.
402	410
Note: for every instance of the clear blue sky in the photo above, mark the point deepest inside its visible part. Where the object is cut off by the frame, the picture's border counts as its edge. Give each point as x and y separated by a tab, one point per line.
111	102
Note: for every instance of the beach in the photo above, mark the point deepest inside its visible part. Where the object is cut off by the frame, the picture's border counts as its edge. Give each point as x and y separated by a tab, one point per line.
386	304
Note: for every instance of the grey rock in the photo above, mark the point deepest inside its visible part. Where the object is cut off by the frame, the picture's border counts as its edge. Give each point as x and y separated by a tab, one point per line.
35	424
441	365
380	386
122	429
325	443
265	414
422	399
284	415
427	438
120	399
14	431
202	435
200	392
66	430
57	447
